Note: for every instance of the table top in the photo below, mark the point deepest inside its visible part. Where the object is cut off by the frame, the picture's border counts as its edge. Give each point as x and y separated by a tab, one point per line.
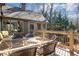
21	44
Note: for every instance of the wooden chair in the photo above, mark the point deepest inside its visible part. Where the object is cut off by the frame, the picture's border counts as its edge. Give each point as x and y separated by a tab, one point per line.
25	52
47	49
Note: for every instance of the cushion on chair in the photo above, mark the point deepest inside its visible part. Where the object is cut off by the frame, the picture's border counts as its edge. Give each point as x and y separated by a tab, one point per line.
5	33
1	37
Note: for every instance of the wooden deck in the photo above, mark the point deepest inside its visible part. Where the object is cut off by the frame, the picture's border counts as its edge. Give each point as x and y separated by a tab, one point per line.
42	40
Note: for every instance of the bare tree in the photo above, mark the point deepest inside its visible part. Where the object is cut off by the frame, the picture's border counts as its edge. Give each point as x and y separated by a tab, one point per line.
47	11
76	10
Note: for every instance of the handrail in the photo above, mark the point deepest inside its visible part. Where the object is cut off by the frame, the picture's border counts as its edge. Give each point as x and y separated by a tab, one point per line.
70	35
55	32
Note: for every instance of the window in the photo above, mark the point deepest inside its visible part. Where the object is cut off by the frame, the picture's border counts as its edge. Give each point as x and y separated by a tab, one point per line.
31	27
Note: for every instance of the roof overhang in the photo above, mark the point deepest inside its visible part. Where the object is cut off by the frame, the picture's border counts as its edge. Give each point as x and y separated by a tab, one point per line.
20	19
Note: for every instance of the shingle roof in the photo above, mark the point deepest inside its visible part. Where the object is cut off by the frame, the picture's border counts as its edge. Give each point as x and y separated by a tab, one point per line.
27	15
17	13
6	7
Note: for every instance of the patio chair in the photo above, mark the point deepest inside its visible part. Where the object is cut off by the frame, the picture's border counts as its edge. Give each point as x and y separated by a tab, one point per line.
25	52
47	49
3	46
5	33
1	37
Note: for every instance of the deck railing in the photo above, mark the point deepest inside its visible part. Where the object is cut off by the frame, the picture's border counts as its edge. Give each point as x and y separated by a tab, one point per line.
70	35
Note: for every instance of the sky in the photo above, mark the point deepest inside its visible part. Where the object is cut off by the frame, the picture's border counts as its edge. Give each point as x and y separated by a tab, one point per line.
29	5
70	8
13	4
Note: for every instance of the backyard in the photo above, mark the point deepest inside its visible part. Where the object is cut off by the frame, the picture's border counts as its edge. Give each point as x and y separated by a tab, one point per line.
46	30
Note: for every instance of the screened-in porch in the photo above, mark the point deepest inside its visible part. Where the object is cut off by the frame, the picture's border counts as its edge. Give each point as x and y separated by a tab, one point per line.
20	25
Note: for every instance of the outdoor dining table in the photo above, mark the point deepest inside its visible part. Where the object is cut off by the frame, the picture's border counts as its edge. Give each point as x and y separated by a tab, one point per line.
16	47
45	46
38	40
34	41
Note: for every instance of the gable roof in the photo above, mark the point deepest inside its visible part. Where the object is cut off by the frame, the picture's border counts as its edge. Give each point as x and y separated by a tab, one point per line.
27	15
16	12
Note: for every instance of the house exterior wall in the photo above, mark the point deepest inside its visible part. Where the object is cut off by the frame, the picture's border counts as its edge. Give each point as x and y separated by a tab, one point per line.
25	25
36	27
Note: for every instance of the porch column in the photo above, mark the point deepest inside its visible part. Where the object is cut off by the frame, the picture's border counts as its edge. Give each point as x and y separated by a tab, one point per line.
23	26
22	22
10	26
42	26
28	26
35	26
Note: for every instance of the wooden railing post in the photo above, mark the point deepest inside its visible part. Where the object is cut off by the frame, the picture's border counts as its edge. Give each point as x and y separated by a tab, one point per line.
43	35
71	42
